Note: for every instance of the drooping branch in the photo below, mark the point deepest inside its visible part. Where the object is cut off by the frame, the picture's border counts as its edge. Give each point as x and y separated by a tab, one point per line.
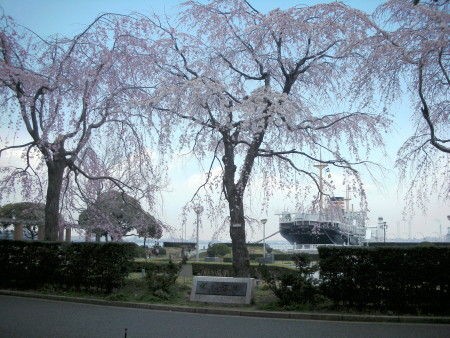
338	162
443	69
115	181
208	176
307	173
436	142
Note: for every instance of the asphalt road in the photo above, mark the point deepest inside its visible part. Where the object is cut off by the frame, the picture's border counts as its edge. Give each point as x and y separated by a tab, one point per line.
27	317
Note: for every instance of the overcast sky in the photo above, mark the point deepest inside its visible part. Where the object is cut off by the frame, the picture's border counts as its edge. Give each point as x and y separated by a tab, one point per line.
47	17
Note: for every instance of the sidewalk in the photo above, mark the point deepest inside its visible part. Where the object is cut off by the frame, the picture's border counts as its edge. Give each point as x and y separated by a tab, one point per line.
240	311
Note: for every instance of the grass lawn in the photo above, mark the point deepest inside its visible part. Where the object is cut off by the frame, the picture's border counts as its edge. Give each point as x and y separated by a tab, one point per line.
136	290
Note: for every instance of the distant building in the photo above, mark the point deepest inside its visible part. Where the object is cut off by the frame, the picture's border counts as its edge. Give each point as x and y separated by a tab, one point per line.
6	233
375	233
447	237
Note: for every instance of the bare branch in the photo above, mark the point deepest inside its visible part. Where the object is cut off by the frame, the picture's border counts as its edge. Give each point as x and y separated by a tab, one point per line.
208	173
17	146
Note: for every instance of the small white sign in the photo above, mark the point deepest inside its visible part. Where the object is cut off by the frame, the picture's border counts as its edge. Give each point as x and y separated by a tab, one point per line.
236	225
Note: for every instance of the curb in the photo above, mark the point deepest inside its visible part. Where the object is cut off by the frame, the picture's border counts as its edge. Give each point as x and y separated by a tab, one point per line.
236	312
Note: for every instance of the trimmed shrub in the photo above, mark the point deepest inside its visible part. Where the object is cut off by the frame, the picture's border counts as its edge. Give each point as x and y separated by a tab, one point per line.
156	250
112	265
99	266
188	245
212	269
159	251
141	252
102	266
226	270
290	257
28	264
218	250
402	279
161	277
294	286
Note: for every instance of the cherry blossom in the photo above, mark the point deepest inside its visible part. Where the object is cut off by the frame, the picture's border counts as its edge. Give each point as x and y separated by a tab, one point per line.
264	93
66	93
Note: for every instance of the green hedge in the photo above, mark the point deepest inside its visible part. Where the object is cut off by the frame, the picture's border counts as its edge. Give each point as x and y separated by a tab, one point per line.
190	245
99	266
211	269
277	257
161	278
218	250
402	279
294	287
226	270
28	264
290	257
254	245
137	266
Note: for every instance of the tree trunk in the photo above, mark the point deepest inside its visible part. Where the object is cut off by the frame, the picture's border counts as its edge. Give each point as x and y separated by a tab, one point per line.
68	234
55	177
241	260
18	232
41	232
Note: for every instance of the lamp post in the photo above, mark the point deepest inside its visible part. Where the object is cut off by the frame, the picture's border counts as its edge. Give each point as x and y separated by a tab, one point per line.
264	221
198	210
384	225
447	237
18	228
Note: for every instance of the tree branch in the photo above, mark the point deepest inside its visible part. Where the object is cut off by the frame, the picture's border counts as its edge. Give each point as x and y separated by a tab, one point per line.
426	115
18	146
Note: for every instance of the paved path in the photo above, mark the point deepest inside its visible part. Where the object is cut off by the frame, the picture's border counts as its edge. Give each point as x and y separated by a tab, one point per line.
28	317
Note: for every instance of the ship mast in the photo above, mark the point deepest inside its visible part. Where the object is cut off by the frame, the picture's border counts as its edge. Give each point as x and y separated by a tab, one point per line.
320	166
347	198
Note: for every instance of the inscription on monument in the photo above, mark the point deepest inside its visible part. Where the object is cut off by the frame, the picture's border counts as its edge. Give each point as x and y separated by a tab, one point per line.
221	288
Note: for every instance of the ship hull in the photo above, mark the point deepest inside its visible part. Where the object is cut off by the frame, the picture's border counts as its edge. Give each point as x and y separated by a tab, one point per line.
301	232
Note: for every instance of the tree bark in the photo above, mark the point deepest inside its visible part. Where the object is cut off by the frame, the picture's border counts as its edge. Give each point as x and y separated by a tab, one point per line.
68	234
41	232
55	177
18	232
241	260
